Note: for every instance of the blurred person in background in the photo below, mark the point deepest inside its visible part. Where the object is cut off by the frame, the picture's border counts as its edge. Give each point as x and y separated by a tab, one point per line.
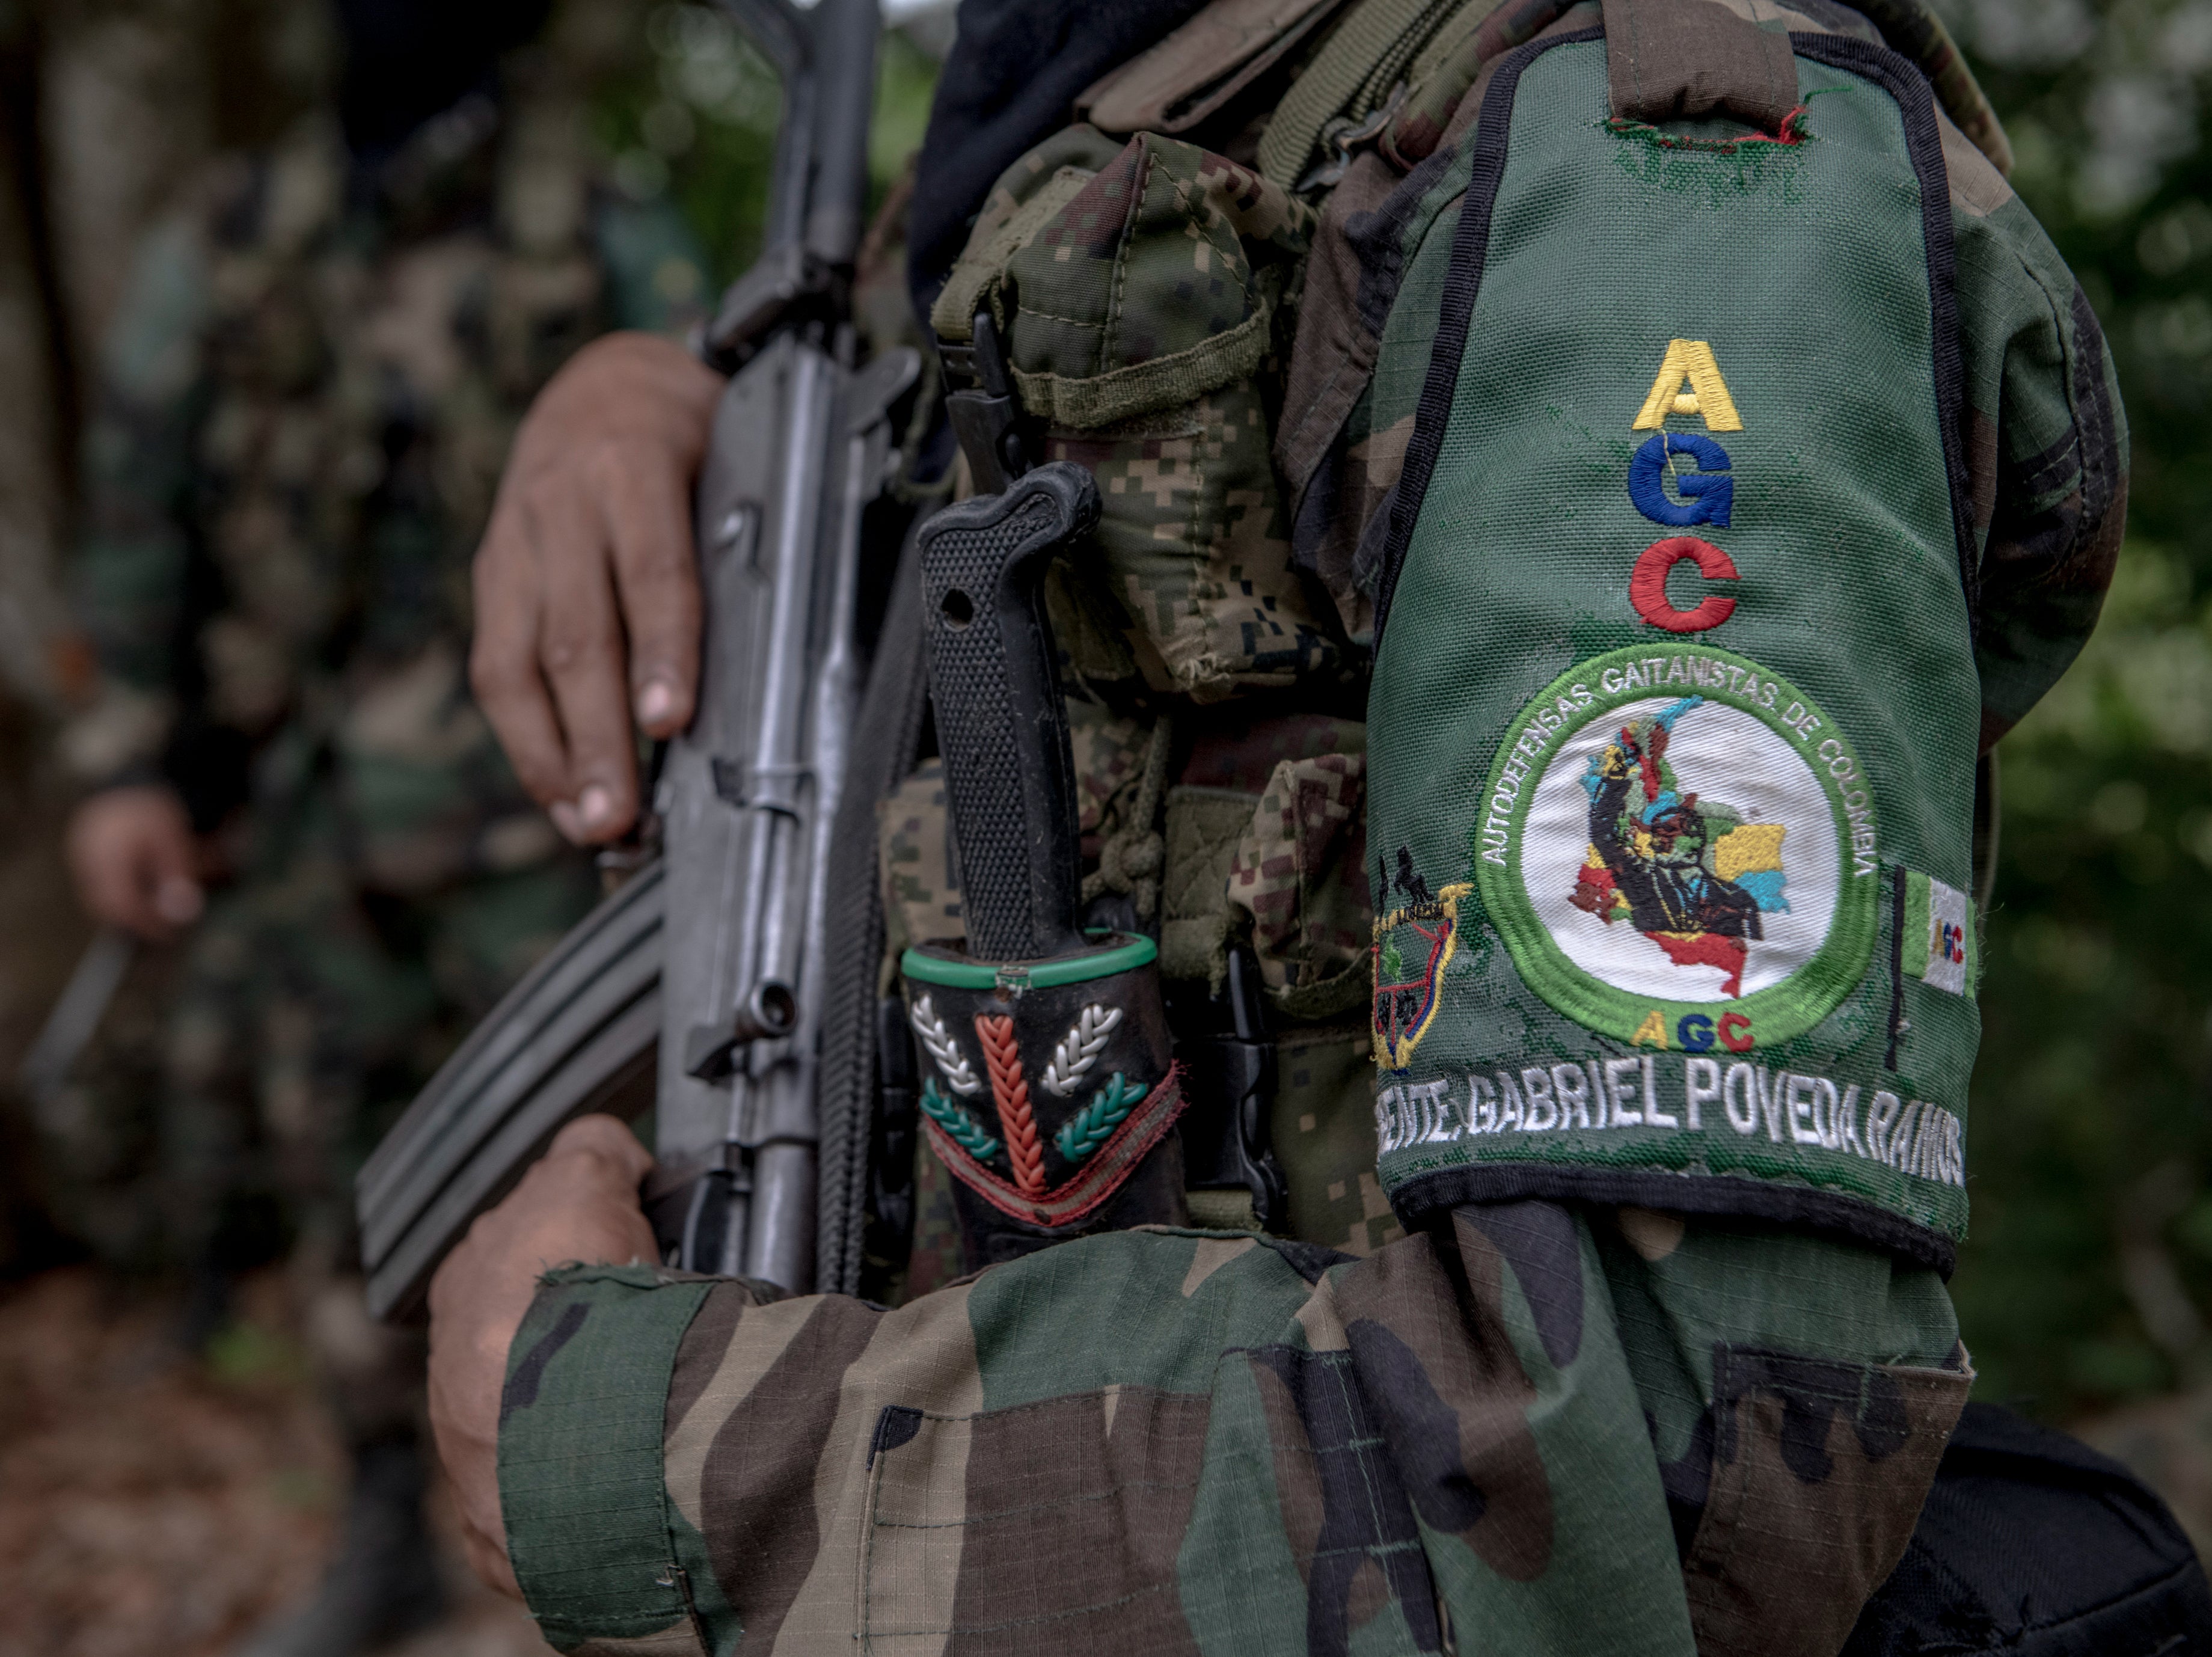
304	407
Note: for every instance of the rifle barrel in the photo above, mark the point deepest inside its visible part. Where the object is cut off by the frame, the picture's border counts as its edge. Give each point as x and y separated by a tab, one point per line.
785	38
845	32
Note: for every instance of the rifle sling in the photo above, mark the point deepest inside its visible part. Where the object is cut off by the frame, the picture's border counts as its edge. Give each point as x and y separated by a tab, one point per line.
885	738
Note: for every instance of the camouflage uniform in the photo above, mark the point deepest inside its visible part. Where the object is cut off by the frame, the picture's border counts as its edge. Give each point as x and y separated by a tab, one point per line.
1528	1426
305	408
1164	1441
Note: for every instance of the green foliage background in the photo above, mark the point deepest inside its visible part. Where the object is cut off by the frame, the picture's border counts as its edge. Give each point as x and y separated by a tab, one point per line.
693	117
2092	1244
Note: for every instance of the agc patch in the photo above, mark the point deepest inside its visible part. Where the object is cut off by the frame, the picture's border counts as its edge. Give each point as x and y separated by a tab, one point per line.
1679	849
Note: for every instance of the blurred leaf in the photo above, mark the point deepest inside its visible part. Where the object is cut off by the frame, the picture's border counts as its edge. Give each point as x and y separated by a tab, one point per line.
248	1355
693	117
308	1488
2099	957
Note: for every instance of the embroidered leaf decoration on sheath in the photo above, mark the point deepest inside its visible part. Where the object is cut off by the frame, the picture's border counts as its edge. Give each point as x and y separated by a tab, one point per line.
966	1131
1092	1126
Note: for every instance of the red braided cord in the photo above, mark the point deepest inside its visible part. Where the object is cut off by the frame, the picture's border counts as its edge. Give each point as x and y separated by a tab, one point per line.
1009	1090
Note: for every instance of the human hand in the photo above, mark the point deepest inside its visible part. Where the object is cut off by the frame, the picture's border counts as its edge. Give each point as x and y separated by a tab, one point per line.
579	1202
133	859
586	588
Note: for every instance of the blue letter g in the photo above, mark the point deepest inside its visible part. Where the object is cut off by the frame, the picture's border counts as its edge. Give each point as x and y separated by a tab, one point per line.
1708	493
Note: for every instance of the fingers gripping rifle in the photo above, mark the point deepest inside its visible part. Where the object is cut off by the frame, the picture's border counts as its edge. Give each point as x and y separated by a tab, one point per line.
698	989
753	785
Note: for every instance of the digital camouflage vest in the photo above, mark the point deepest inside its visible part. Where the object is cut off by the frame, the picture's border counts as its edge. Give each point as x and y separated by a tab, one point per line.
1137	284
1675	705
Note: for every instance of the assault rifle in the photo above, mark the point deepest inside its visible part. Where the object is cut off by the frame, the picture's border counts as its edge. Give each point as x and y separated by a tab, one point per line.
698	990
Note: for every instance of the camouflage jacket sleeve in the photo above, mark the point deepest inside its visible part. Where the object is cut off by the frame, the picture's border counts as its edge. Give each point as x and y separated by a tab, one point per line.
2047	441
129	572
1139	1442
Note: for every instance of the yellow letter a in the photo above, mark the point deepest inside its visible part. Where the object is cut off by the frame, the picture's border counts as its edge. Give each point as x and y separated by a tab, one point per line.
1690	360
1652	1032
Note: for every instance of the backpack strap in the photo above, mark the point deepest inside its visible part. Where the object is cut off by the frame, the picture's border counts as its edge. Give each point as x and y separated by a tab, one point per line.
1195	71
1670	60
1349	79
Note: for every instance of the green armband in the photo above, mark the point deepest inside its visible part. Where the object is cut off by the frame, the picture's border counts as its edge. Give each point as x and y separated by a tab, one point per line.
589	1529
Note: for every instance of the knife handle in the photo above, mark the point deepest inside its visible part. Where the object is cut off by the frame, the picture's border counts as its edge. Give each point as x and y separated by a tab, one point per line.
1001	726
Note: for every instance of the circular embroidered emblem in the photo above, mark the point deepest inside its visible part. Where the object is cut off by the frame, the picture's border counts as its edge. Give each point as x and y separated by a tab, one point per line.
1678	847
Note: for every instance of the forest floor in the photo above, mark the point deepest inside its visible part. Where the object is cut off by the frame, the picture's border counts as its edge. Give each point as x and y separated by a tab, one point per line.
150	1503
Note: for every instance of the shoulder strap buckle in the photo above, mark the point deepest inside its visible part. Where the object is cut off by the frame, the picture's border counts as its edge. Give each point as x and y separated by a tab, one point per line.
1345	138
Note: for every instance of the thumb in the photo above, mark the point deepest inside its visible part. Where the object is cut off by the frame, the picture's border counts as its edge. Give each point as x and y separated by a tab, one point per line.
607	1138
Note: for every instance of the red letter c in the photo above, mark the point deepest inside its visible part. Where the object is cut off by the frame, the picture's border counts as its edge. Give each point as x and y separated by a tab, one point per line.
1647	587
1735	1028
